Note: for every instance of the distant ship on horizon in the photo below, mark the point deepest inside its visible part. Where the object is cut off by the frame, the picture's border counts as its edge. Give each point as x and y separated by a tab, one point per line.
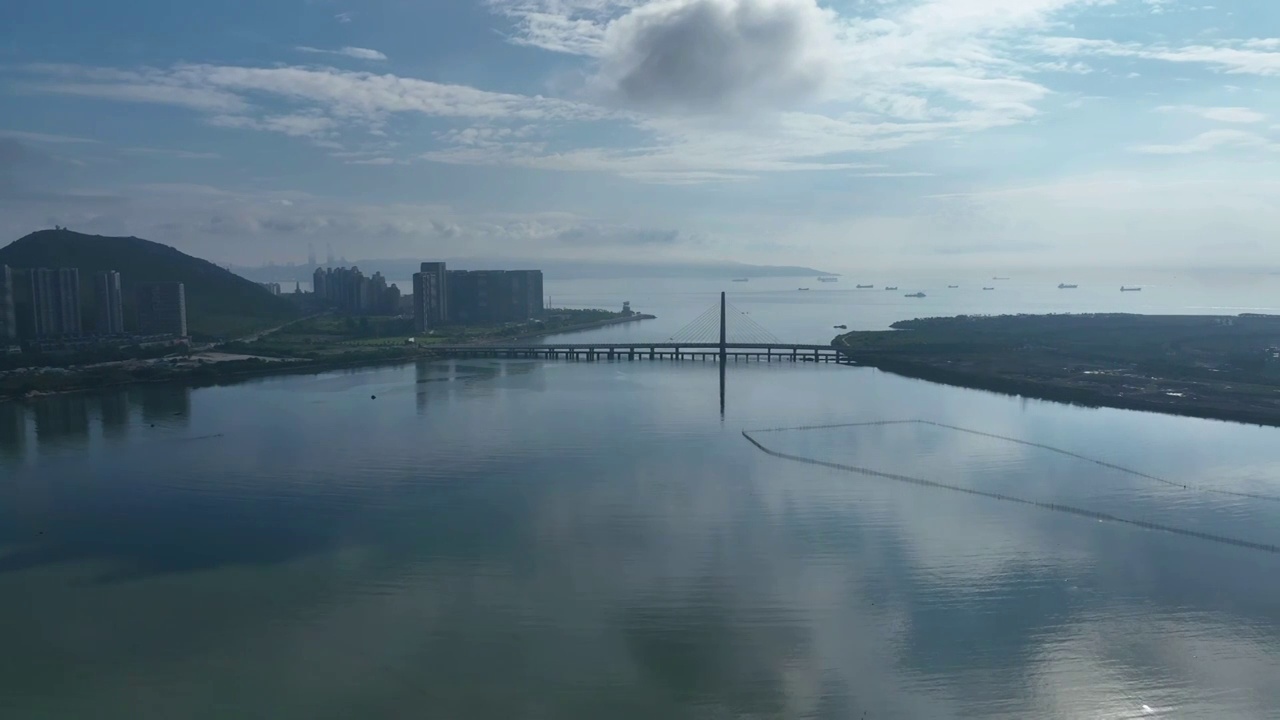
915	295
1065	286
1130	289
987	288
890	287
741	279
864	287
828	279
999	278
953	287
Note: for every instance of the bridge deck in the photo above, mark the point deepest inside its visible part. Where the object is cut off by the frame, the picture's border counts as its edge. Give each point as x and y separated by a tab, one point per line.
762	352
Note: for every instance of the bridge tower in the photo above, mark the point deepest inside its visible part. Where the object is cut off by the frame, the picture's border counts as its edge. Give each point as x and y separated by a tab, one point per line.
723	353
723	347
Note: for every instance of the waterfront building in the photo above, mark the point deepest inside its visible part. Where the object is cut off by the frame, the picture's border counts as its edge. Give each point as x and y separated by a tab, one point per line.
162	309
494	296
430	296
106	286
8	319
55	302
348	290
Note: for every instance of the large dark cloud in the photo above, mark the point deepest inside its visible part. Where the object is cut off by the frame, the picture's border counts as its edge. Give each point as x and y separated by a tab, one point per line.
717	55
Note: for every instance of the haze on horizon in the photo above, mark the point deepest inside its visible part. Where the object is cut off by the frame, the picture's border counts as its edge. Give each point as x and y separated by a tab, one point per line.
929	133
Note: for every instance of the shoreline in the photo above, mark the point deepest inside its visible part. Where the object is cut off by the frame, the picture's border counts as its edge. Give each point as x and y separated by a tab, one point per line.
1064	396
1211	367
262	366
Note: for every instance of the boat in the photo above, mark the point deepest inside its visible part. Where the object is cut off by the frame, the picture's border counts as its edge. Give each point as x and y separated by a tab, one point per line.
864	287
802	288
987	288
740	279
953	287
890	287
840	327
914	294
1130	289
828	279
999	278
1065	286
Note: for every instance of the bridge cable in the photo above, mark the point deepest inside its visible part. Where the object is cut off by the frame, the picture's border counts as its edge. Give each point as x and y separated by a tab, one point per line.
1056	507
1042	446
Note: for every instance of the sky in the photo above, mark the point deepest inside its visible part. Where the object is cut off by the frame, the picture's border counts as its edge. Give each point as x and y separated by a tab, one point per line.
920	133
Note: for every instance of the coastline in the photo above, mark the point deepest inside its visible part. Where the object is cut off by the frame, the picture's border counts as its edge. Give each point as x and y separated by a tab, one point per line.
1213	367
231	371
1066	396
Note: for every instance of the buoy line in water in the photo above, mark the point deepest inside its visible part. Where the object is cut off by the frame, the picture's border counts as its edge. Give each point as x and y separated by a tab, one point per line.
1056	507
1042	446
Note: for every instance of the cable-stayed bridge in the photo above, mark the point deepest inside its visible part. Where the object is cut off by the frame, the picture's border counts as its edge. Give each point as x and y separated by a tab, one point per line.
721	333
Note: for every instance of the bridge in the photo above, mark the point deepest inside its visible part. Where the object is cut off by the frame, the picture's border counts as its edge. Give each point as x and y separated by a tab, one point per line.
741	339
705	352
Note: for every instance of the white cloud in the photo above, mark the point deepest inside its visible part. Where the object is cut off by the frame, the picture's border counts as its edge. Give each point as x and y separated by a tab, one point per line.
1209	141
168	152
1252	57
301	125
351	52
717	55
43	137
1240	115
343	95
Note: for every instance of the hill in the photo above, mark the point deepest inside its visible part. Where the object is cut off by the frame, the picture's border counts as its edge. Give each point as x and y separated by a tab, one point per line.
219	303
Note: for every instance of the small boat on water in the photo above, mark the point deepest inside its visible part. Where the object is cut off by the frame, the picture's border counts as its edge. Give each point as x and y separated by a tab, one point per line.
802	289
1130	289
914	294
1065	286
987	288
953	287
890	287
999	278
828	279
864	287
740	279
840	327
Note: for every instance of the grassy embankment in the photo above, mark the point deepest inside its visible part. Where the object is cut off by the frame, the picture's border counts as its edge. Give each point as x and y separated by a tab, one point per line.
1214	367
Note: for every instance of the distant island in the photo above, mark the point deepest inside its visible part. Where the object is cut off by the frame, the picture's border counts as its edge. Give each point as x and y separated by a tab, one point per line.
1226	368
399	269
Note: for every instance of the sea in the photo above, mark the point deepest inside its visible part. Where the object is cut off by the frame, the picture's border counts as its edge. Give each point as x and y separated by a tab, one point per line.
555	539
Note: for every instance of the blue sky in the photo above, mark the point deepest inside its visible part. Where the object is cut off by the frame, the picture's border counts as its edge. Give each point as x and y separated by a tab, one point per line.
868	132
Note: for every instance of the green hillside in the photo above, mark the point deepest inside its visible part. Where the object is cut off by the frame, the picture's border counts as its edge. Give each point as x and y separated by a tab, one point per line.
219	303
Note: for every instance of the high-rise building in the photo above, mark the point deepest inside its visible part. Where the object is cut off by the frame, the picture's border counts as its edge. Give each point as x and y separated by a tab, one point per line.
494	296
162	309
106	286
430	296
8	321
55	302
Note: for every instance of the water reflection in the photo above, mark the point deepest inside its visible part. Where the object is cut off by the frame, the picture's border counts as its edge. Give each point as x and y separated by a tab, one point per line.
61	418
114	411
13	430
590	540
162	403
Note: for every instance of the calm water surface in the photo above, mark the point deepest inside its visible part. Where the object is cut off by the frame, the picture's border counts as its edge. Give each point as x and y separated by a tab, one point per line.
555	540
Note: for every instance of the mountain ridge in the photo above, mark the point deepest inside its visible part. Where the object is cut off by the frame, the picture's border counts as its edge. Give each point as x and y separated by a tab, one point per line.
219	302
